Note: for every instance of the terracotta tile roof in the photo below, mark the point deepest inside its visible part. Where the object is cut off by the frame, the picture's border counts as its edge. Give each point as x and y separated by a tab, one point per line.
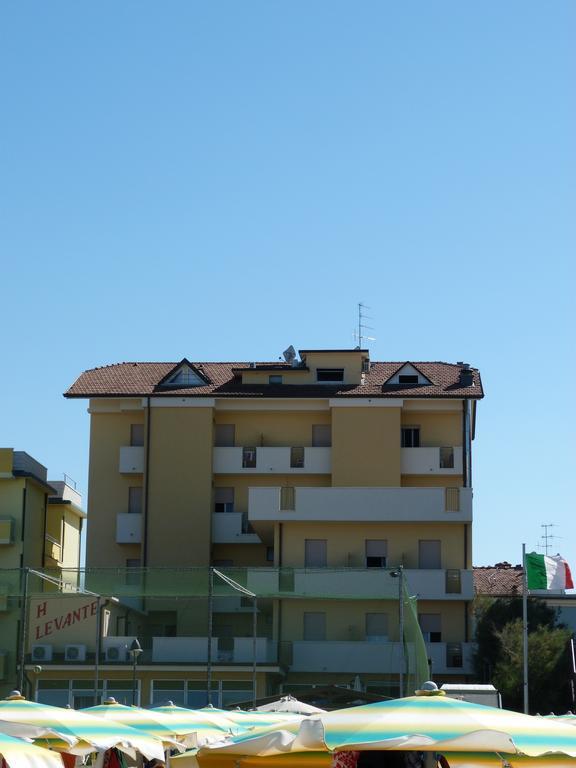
500	580
141	379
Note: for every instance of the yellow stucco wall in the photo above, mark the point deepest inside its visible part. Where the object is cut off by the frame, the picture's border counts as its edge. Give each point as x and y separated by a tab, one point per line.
107	487
365	446
6	461
34	527
273	428
11	500
345	620
453	618
242	554
180	486
346	542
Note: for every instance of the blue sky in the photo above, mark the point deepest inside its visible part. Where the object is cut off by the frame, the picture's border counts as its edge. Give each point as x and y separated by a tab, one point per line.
218	180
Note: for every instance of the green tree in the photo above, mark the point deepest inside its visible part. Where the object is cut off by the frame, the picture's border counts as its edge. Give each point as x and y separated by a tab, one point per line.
499	656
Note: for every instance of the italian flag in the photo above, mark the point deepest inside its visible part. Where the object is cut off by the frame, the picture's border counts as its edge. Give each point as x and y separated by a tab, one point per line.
547	572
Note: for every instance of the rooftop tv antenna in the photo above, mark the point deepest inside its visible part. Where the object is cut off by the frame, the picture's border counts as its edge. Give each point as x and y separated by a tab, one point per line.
289	355
359	335
547	539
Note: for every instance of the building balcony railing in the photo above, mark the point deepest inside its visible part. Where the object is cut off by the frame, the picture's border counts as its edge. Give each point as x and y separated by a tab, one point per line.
431	461
131	460
268	460
230	650
128	528
232	528
334	504
361	583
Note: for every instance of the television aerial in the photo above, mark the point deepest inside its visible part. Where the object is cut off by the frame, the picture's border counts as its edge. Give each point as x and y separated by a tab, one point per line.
289	354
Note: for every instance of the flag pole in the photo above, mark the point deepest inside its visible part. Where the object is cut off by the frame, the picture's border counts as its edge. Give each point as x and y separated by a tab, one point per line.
525	627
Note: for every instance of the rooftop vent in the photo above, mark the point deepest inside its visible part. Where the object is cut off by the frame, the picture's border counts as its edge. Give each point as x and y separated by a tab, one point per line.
466	375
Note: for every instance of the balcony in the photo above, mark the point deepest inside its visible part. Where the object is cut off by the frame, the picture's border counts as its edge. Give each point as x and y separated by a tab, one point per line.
431	461
348	657
360	583
229	650
360	505
53	548
131	460
128	528
283	460
232	528
450	658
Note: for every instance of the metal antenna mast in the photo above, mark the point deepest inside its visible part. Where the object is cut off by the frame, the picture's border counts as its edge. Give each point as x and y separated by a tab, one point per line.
547	539
360	337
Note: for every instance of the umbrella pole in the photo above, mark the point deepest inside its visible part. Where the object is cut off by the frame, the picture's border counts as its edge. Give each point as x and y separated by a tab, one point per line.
23	629
254	647
209	656
525	629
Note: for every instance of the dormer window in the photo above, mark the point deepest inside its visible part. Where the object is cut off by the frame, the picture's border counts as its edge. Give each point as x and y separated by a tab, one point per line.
408	379
183	376
408	374
330	375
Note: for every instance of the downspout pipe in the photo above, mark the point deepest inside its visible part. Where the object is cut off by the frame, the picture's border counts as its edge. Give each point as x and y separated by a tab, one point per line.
146	484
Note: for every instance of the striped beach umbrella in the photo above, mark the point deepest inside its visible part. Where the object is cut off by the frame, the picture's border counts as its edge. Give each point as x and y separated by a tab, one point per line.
208	724
291	705
146	721
20	754
71	731
425	722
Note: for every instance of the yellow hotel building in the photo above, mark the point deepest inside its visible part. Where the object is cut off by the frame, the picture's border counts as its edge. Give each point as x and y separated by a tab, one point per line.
315	478
40	527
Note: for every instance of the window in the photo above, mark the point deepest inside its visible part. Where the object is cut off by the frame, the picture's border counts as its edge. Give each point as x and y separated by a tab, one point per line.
135	500
297	458
377	626
275	379
185	377
224	435
223	499
168	690
315	553
314	626
321	435
330	375
454	654
431	626
453	581
376	552
287	498
429	554
269	554
136	434
446	458
408	378
249	458
410	437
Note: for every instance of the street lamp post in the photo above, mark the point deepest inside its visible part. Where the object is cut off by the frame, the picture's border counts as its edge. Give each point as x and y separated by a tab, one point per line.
135	650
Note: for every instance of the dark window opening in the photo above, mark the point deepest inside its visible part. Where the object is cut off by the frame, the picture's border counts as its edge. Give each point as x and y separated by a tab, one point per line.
410	437
408	378
330	374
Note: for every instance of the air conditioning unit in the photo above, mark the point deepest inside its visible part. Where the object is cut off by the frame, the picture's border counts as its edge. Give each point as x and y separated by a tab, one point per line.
75	653
41	653
116	653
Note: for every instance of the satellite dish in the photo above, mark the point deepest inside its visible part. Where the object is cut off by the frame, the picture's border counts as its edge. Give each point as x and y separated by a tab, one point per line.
289	354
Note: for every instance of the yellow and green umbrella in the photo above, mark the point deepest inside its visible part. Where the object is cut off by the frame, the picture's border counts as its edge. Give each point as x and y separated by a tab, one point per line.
208	724
148	722
430	723
71	731
21	754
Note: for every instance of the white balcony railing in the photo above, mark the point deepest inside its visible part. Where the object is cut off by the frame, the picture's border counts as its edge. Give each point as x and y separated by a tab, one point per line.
230	528
131	459
431	461
265	460
363	505
348	657
236	650
128	528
